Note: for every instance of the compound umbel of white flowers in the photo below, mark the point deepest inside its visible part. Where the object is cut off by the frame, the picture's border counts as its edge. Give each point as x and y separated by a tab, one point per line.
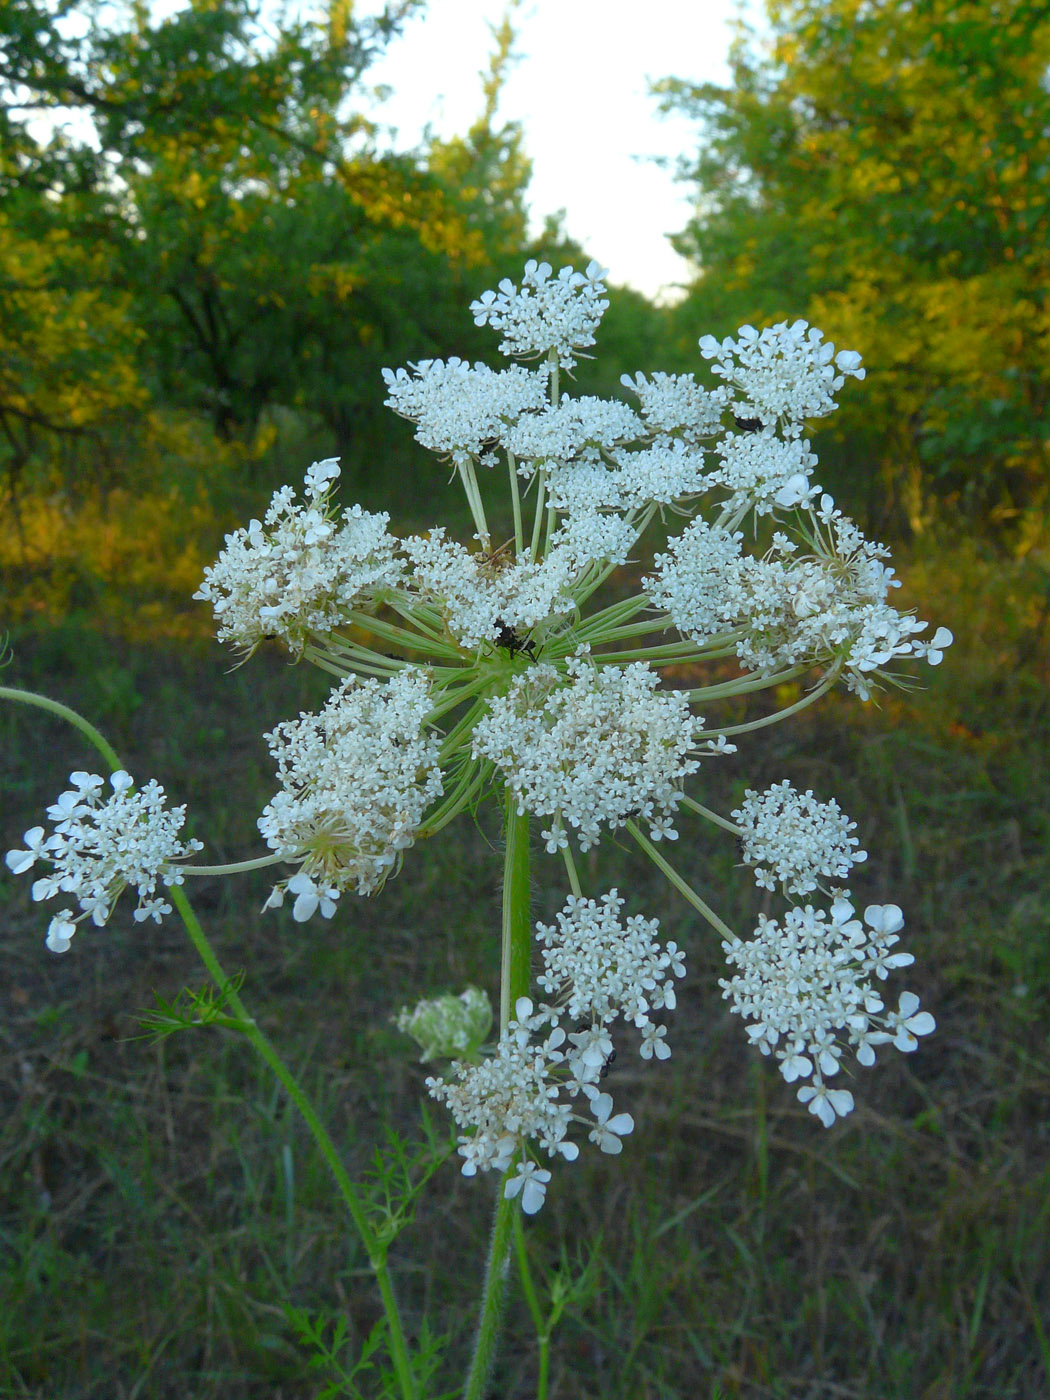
513	667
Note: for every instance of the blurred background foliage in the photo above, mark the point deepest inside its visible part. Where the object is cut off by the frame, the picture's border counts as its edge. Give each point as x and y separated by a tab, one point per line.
198	306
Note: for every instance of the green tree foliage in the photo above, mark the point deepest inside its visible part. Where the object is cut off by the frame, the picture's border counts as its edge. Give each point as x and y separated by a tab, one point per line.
883	168
239	223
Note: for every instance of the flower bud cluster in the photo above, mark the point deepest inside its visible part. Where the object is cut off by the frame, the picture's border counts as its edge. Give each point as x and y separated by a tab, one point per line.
355	781
300	570
520	1098
446	1026
805	989
100	845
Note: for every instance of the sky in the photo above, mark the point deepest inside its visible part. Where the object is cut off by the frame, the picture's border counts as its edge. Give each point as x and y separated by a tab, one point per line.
580	90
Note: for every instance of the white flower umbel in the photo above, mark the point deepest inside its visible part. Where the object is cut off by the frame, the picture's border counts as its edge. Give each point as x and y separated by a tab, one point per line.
301	570
826	607
545	315
676	405
792	838
602	967
464	409
484	597
805	989
764	472
784	374
101	845
517	1101
592	749
355	779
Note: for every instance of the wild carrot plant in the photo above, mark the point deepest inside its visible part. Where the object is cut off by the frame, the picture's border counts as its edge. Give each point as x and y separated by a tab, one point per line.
513	670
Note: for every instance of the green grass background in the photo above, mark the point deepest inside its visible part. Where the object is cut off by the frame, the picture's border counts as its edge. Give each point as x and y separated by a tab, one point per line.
160	1203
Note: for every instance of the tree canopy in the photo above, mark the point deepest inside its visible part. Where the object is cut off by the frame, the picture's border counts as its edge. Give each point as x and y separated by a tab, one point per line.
883	168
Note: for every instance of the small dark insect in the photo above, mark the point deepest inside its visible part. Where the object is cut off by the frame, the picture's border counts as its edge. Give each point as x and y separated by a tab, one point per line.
748	425
508	639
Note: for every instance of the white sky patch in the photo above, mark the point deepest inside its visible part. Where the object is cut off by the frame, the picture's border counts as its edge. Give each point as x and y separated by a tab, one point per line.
580	91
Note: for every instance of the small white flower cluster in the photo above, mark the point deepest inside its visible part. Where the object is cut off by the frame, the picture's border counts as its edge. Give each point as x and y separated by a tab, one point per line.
824	608
603	968
784	373
674	404
606	746
764	473
300	570
481	599
461	409
802	983
544	315
572	430
100	845
355	779
798	838
512	1101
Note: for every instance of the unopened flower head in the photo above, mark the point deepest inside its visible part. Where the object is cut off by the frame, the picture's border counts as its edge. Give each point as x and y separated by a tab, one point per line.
592	749
805	987
791	838
545	315
355	781
446	1026
301	570
102	844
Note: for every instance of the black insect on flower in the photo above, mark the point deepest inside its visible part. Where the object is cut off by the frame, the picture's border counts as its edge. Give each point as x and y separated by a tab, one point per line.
748	425
509	641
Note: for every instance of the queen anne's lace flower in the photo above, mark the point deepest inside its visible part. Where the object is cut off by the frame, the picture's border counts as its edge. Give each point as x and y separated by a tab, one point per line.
301	570
483	598
604	967
561	434
545	314
803	984
675	404
824	608
792	838
514	1102
463	409
100	846
355	781
593	751
764	472
784	373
